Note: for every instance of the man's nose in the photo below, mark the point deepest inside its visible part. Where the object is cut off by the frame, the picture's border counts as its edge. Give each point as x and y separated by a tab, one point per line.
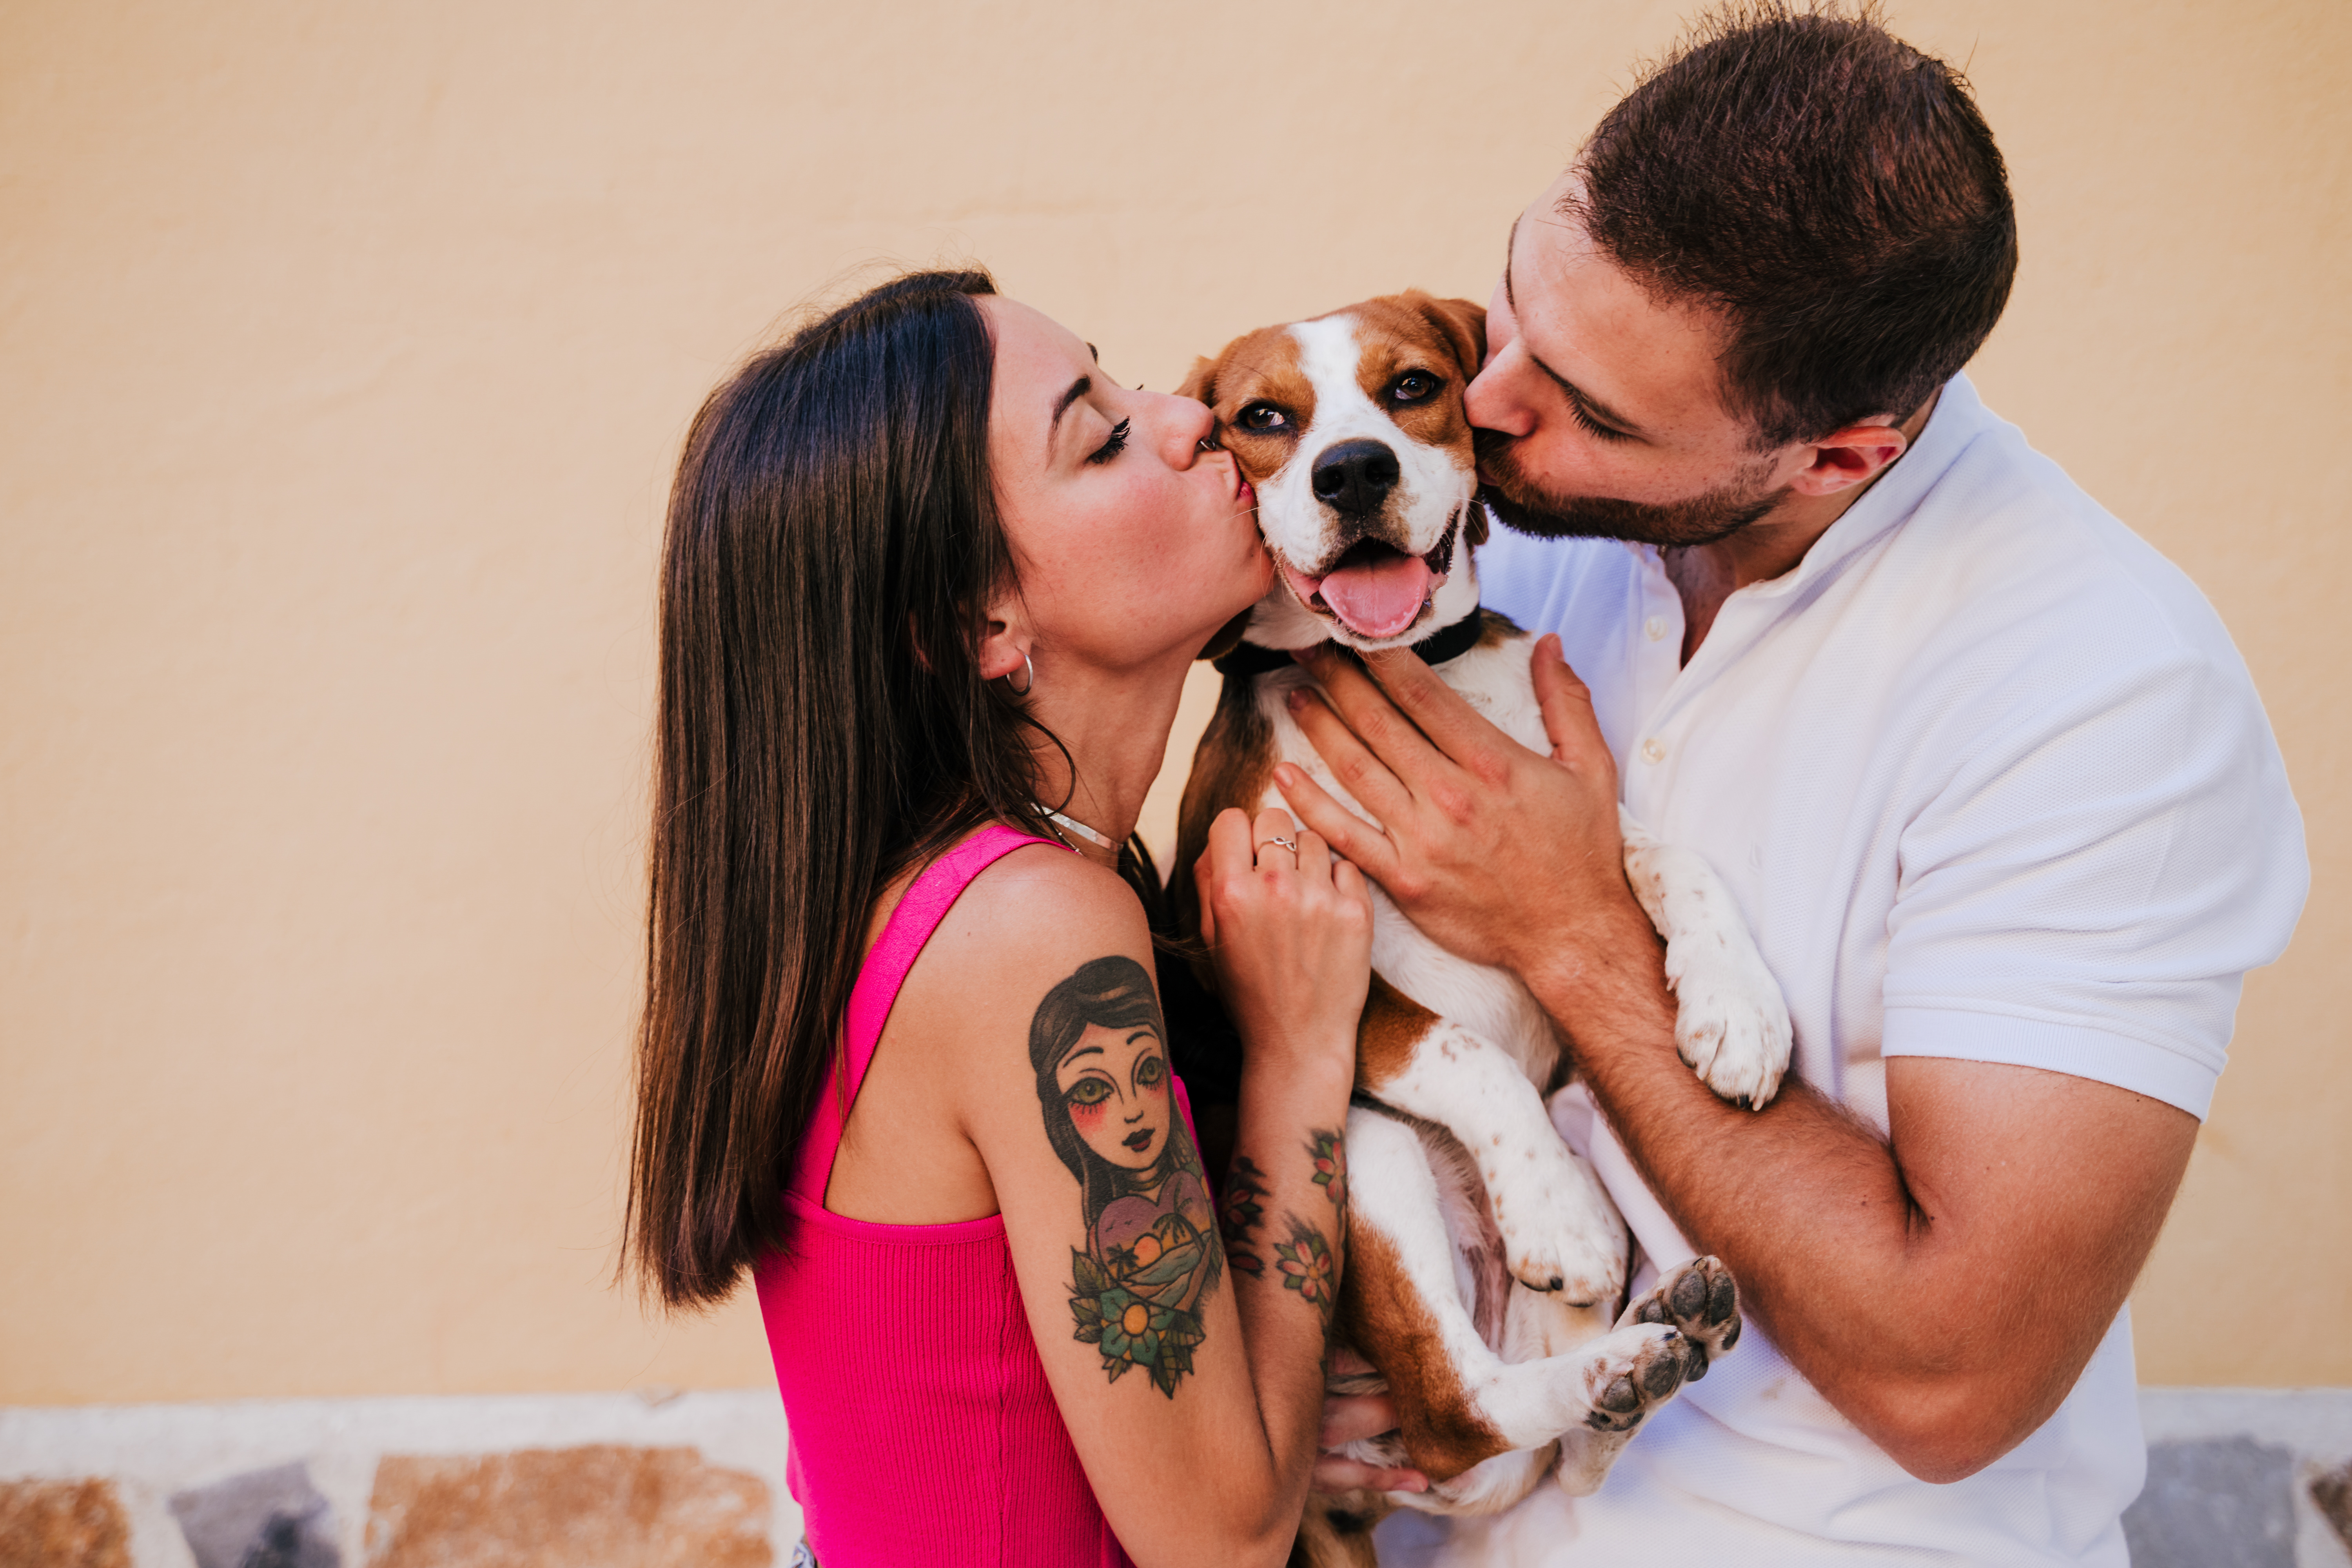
1489	402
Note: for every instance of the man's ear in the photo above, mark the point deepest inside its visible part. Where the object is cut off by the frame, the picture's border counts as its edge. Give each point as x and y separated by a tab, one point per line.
1463	325
1854	456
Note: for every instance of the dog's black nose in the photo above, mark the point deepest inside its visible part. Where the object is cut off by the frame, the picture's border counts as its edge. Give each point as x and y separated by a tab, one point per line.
1355	477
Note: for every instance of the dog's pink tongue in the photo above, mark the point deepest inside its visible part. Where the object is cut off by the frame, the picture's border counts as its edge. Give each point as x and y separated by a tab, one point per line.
1379	598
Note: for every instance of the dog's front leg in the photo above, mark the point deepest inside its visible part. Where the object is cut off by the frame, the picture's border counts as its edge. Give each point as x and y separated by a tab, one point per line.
1730	1023
1458	1402
1560	1230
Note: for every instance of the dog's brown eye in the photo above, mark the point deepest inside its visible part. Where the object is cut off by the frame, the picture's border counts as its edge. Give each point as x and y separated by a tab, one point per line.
1262	417
1414	386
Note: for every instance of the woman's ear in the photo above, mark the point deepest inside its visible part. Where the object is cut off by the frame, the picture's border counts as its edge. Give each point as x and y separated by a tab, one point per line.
1005	643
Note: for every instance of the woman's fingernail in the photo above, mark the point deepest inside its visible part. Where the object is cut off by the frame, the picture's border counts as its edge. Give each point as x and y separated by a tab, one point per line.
1297	698
1285	776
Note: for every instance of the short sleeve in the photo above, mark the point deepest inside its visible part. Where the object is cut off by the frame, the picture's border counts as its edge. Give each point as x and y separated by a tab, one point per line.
2086	891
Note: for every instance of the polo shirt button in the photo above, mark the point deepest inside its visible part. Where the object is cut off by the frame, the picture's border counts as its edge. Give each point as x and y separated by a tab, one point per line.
1654	750
1656	627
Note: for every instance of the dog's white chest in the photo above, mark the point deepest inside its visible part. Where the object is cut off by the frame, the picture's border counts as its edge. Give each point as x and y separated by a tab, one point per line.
1493	678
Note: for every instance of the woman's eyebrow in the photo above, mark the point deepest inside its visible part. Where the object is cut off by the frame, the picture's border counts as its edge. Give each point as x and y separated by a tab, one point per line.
1146	1034
1079	389
1082	1051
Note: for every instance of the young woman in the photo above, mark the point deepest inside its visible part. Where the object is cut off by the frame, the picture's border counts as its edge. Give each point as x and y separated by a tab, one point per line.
931	586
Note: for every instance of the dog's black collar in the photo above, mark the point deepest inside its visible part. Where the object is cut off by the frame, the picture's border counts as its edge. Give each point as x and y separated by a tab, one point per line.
1444	644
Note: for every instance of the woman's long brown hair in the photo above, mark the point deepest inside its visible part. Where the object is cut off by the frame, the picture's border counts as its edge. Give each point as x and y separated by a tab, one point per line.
832	543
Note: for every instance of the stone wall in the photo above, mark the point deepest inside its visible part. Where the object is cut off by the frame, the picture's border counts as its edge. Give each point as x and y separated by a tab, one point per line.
630	1480
2244	1479
2237	1478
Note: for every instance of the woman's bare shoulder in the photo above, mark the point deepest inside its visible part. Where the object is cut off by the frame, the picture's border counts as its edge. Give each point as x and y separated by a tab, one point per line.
1025	925
1044	903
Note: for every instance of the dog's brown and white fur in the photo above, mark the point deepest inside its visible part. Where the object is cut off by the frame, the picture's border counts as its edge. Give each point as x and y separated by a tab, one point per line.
1485	1262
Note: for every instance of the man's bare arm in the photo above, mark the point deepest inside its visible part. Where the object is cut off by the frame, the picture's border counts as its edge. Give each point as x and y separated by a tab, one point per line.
1945	1291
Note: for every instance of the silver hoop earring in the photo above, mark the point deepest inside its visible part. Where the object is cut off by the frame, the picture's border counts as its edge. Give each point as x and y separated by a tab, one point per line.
1022	690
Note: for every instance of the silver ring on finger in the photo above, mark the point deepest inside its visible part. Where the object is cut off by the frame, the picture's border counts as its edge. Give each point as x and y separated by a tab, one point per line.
1289	844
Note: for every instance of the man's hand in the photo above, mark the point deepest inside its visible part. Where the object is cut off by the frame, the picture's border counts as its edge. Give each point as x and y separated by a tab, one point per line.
1499	854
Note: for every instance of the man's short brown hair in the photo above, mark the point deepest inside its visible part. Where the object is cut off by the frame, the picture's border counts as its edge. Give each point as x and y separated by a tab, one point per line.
1831	189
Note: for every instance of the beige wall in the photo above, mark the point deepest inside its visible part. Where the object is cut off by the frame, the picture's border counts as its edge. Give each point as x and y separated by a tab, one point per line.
343	352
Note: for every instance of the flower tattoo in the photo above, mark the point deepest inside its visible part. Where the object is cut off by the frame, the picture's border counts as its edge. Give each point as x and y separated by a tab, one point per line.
1329	1152
1304	1264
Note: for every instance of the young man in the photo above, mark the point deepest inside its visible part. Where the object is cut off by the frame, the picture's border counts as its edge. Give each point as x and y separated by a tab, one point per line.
1984	771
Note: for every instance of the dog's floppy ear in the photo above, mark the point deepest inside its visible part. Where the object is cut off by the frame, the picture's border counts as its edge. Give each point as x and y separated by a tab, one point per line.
1200	381
1462	323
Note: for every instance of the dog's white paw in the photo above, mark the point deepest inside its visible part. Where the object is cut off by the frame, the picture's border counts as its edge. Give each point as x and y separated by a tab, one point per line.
1630	1372
1700	1300
1560	1230
1731	1025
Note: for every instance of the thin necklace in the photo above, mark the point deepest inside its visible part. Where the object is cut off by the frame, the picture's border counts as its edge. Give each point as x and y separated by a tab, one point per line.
1080	829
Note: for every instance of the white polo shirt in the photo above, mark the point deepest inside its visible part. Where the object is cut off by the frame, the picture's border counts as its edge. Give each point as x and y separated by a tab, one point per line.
1989	781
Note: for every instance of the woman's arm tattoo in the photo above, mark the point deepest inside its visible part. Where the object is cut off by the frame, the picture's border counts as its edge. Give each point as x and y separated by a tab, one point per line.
1244	1216
1307	1262
1151	1257
1329	1152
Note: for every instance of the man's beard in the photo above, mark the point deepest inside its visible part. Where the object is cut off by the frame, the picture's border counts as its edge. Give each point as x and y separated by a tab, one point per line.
1518	503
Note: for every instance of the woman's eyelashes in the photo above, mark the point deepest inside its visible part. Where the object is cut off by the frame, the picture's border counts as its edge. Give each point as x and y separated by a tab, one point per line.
1114	446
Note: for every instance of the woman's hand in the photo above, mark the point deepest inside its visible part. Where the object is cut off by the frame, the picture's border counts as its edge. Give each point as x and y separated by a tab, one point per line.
1290	932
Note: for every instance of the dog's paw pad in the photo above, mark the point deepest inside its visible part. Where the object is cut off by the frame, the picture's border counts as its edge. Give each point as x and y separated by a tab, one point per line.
1700	1300
1634	1372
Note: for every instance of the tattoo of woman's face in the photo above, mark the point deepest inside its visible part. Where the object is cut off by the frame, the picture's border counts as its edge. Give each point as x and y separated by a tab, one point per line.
1152	1256
1116	1092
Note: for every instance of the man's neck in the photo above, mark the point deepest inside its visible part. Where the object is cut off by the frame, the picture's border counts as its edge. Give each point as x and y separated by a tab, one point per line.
1708	574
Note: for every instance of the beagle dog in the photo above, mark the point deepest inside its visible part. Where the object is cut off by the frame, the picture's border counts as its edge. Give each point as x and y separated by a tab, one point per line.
1488	1263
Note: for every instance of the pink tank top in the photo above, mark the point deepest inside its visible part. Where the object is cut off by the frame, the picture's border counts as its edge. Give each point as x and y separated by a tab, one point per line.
922	1427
